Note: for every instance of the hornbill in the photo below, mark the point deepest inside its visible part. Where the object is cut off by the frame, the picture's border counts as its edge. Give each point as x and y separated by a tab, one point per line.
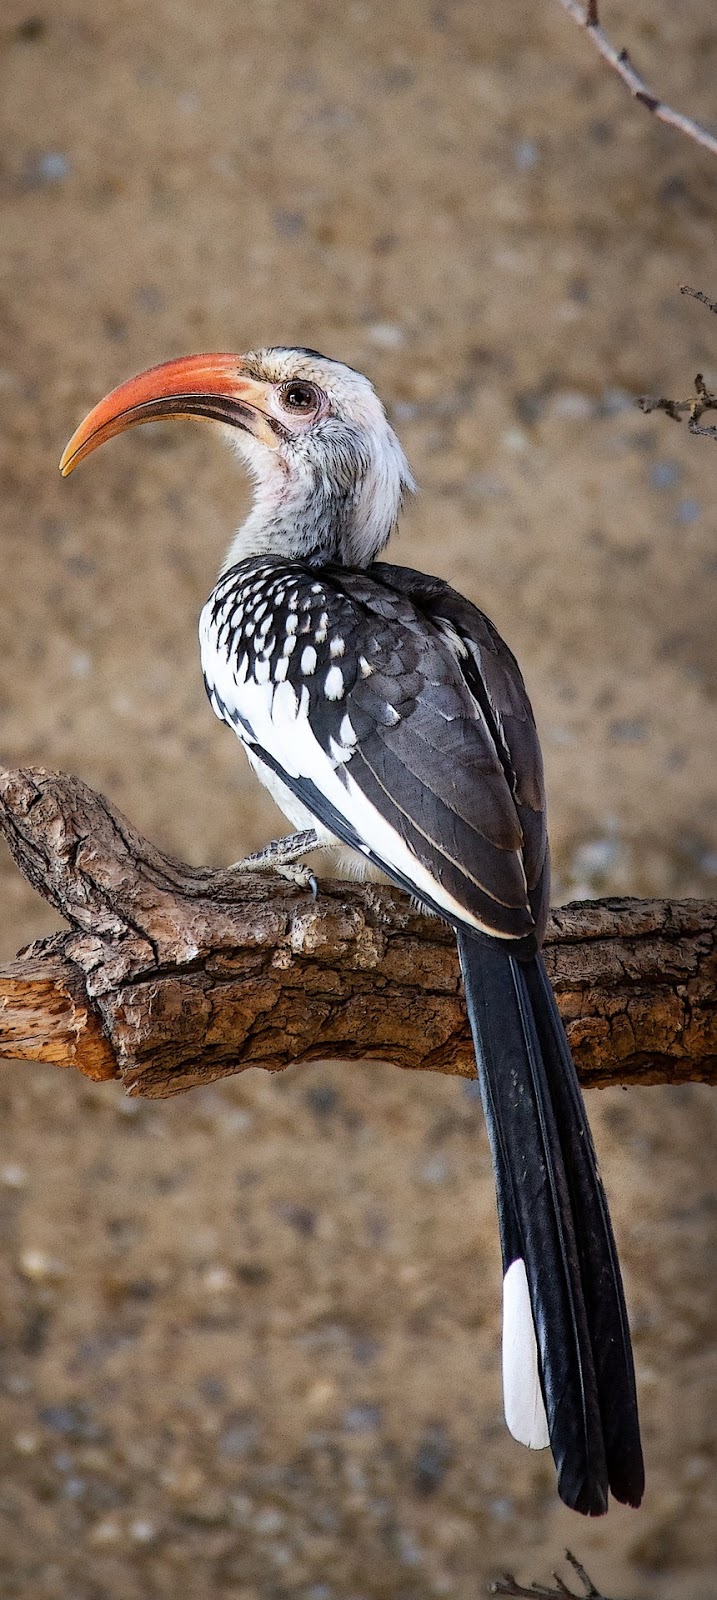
388	718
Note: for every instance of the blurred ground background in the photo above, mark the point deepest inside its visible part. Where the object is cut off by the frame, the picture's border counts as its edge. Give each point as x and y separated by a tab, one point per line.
249	1339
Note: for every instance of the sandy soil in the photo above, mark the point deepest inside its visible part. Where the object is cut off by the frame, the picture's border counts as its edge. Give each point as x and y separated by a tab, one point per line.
248	1340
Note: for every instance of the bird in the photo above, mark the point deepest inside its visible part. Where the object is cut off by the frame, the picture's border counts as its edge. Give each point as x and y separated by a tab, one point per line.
390	721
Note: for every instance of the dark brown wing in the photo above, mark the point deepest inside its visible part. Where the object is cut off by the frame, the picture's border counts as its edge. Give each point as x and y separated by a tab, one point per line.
447	745
393	711
496	682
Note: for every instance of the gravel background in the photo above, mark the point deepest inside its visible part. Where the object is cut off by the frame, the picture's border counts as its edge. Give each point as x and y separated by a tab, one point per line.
248	1340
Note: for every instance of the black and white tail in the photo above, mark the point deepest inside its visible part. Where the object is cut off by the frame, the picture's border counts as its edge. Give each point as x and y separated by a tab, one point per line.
568	1376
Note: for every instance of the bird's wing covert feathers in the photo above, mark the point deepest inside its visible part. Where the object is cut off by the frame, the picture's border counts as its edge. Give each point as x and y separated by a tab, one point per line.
410	700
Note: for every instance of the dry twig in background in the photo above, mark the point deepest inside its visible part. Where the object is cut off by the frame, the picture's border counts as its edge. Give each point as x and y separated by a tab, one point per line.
512	1590
587	17
171	975
703	398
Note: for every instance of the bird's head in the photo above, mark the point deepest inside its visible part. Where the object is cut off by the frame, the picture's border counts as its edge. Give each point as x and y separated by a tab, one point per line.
329	473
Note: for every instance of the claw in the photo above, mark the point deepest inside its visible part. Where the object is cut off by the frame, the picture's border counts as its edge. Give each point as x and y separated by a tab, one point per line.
303	877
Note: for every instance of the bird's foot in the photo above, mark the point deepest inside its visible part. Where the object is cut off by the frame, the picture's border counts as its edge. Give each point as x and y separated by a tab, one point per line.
283	856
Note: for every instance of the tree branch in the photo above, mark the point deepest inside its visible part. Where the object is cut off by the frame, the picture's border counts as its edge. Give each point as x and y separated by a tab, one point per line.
587	17
702	400
171	975
512	1590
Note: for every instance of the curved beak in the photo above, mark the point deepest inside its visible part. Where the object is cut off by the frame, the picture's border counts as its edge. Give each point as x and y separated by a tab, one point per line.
214	386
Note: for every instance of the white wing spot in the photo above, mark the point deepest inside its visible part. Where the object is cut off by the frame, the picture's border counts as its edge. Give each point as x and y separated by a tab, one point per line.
261	669
259	611
281	669
391	716
366	669
289	644
308	660
337	647
347	731
316	588
292	623
334	683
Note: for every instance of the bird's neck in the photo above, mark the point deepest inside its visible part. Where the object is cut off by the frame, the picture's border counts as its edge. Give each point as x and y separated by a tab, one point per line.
315	520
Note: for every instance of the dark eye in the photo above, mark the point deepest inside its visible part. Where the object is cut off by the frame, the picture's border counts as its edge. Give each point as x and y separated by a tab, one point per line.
300	397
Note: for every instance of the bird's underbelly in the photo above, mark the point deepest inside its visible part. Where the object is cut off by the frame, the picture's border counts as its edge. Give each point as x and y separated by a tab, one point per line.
339	857
299	815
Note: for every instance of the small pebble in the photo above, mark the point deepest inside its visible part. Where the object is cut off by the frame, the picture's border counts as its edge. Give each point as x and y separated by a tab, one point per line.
13	1176
268	1521
40	1268
573	406
616	400
664	474
408	1552
26	1443
362	1419
16	1383
142	1531
238	1439
386	335
628	730
217	1280
289	223
515	441
501	1509
526	155
74	1488
595	855
301	1218
322	1099
48	168
105	1532
484	486
432	1460
435	1170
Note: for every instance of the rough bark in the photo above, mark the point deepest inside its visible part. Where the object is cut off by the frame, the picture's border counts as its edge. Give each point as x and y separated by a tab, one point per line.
170	975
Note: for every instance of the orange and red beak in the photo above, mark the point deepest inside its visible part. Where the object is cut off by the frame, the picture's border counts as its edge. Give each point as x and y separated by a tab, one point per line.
214	386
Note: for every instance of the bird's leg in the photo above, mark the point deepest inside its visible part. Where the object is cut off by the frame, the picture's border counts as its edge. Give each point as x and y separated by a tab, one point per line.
283	856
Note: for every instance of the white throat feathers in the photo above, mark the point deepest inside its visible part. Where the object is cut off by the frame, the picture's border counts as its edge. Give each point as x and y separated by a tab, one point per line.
331	491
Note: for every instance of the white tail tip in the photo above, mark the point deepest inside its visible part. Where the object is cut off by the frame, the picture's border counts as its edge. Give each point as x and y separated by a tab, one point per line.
522	1395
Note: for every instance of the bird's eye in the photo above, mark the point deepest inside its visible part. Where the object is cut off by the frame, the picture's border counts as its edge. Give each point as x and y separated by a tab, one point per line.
300	397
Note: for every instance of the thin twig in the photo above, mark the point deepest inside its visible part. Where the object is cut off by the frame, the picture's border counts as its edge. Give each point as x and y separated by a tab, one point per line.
509	1587
588	18
703	398
698	294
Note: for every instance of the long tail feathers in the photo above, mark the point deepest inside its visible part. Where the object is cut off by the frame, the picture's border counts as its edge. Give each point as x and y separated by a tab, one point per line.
567	1363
